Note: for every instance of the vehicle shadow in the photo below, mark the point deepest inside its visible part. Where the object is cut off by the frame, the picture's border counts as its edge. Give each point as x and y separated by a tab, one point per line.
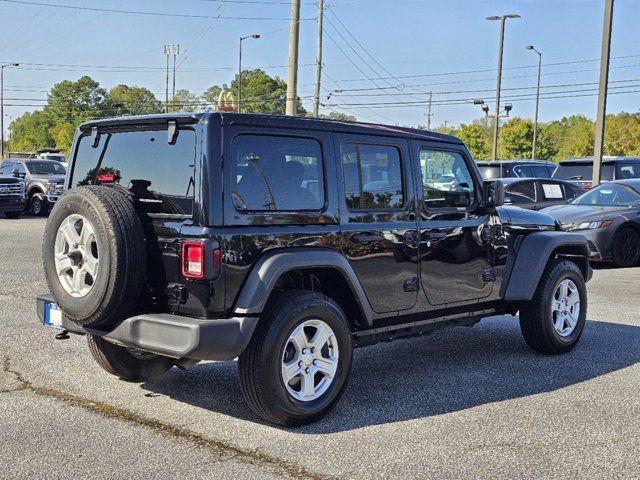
421	377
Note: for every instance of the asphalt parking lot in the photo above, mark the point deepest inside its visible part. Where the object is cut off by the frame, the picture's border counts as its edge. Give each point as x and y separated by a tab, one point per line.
467	403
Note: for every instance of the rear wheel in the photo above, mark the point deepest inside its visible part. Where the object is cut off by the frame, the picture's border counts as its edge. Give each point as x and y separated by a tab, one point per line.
38	204
298	361
127	364
626	247
552	322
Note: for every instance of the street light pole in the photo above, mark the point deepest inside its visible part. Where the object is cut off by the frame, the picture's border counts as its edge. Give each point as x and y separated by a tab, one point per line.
2	67
503	19
292	76
240	68
535	121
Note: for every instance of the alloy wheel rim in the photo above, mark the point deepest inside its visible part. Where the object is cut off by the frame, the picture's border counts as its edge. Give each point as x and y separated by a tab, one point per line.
565	307
309	360
628	247
36	206
76	255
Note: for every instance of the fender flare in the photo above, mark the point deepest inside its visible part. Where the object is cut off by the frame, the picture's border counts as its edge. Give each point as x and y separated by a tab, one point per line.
260	282
532	254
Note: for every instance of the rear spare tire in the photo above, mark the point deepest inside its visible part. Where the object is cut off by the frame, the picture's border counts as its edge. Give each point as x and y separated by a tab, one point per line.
94	255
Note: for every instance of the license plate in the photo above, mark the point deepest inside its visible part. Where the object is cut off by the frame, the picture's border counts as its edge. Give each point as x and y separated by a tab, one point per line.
53	316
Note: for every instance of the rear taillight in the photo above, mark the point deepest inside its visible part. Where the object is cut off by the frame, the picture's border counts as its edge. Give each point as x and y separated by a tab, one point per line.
193	260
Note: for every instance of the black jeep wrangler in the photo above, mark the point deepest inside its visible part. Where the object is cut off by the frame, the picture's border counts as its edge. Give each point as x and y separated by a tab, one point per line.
286	242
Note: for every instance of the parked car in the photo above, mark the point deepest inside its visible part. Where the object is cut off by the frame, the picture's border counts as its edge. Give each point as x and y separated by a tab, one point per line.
188	237
491	170
580	170
44	181
12	196
538	193
609	216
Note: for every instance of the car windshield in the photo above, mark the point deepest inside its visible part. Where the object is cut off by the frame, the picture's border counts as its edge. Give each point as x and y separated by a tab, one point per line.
609	194
45	167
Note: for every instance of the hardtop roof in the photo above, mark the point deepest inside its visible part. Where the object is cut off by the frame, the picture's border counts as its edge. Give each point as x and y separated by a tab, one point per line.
264	120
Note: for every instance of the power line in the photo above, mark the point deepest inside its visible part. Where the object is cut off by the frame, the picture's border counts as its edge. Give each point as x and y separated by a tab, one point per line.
136	12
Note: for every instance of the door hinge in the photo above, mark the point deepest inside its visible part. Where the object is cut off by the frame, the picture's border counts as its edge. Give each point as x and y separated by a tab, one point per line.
410	284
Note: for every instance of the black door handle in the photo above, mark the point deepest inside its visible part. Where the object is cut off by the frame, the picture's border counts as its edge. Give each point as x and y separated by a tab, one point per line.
366	238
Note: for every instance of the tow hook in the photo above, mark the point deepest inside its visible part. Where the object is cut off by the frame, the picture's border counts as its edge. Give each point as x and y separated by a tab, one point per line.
63	335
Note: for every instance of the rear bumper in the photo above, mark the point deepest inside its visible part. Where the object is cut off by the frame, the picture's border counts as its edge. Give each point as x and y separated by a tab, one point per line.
173	335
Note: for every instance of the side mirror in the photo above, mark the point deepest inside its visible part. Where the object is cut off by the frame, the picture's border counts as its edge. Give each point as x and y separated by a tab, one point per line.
492	193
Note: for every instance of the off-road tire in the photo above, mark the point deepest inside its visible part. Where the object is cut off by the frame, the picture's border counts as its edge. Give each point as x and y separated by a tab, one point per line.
536	319
622	258
121	277
12	215
38	204
126	364
260	364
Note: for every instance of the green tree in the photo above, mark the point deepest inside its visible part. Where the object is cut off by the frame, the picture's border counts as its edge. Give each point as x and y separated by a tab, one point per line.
343	117
31	131
126	100
477	137
622	135
516	138
77	102
62	135
185	101
262	93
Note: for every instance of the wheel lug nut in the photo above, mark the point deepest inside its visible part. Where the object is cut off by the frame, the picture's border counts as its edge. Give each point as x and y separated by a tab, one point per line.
315	362
307	370
304	350
300	363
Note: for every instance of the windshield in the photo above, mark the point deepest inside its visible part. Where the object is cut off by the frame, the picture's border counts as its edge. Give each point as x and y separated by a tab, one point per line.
45	167
609	194
581	172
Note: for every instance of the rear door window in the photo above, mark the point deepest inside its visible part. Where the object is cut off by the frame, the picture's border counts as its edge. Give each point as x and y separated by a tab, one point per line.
372	176
159	174
276	173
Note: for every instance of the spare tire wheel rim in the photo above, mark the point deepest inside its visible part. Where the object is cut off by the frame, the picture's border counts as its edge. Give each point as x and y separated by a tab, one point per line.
309	360
76	255
565	307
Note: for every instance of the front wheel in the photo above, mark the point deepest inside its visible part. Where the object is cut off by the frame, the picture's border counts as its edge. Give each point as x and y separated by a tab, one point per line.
298	361
553	320
130	365
39	205
626	248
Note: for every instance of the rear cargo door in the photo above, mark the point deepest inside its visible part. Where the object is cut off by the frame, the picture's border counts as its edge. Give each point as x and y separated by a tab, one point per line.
160	174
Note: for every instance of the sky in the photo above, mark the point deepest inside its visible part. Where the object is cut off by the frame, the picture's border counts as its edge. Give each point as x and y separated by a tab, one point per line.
381	57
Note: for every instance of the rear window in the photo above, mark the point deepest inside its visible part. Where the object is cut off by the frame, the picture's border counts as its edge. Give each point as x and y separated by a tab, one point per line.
581	172
159	174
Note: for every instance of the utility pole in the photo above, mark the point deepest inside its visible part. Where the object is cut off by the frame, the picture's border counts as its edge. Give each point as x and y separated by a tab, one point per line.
496	126
429	113
169	50
535	122
292	80
316	98
602	91
176	52
2	67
